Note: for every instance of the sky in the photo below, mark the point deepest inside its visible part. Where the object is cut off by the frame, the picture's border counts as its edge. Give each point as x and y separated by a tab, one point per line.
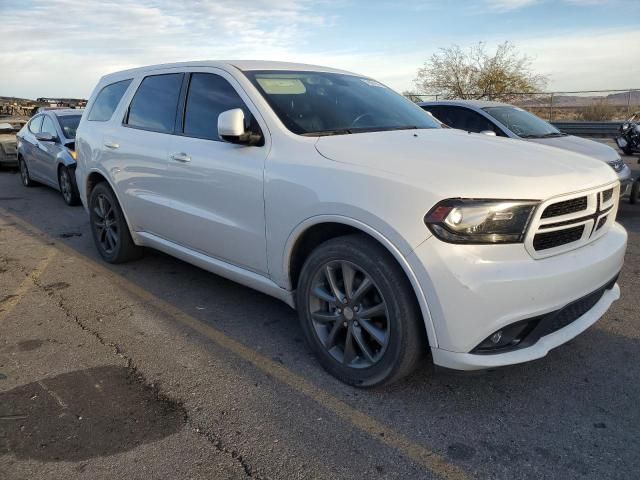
62	47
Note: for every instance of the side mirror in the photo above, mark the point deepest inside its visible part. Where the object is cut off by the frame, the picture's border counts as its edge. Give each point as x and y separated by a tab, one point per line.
490	133
231	128
45	137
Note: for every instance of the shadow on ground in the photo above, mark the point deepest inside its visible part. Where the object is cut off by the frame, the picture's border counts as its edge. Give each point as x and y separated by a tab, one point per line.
83	414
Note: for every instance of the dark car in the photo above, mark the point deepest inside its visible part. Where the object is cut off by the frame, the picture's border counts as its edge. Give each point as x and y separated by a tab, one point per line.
504	120
46	151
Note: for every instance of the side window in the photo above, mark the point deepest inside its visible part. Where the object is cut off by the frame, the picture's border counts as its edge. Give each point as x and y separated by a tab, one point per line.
48	127
35	124
107	101
468	120
438	112
155	103
209	95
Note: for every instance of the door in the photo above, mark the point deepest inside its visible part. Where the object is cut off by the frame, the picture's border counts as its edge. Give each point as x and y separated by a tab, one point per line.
47	152
215	192
135	149
30	145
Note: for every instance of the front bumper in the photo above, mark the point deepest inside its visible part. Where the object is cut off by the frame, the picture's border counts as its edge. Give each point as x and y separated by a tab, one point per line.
475	290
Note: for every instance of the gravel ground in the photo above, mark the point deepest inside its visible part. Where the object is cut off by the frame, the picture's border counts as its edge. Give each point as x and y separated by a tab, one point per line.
157	369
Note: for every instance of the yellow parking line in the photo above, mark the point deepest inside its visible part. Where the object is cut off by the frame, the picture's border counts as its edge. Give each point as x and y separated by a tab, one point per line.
432	461
25	286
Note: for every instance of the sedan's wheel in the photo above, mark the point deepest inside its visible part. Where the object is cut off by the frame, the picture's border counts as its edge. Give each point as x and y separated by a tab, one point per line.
359	312
68	188
109	228
634	197
24	174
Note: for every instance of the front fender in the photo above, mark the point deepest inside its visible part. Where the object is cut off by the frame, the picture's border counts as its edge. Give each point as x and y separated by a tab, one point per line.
388	244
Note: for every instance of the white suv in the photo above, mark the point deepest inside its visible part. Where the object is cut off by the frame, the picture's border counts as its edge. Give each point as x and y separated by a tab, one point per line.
329	191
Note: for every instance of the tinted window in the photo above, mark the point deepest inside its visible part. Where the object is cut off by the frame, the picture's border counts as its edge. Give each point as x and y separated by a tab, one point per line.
107	101
35	124
48	127
209	95
463	119
69	124
155	103
322	103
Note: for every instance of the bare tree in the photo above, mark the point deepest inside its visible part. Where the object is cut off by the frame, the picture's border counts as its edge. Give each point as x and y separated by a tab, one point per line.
477	74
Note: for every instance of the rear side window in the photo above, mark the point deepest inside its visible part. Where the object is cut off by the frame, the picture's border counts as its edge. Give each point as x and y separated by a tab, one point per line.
35	124
107	101
209	95
155	103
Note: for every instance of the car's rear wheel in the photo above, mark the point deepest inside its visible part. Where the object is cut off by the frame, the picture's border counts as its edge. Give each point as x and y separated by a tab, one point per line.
67	184
24	174
109	227
359	313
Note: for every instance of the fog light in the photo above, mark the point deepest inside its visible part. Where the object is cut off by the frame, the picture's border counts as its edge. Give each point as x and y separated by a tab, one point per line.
508	337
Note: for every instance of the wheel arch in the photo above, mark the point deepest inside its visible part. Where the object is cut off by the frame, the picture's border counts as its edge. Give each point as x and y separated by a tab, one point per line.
316	230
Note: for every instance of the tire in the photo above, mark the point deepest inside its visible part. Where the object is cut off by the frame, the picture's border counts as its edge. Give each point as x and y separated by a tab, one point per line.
392	331
109	227
24	174
627	150
68	187
634	197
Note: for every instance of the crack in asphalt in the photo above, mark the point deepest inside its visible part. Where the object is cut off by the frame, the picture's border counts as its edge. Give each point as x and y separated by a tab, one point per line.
138	376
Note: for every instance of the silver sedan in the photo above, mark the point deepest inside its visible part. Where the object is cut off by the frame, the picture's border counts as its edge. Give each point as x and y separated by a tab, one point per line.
504	120
46	152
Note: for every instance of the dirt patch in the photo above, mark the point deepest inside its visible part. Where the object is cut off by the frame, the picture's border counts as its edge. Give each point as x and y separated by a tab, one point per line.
84	414
28	345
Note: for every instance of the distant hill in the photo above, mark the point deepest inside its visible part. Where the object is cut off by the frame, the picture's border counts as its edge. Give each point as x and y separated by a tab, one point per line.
614	99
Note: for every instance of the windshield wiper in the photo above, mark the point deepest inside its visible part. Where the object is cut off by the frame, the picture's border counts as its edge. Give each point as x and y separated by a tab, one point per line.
544	135
348	131
324	133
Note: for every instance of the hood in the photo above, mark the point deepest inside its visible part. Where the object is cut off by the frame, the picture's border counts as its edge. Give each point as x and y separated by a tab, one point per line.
452	163
579	145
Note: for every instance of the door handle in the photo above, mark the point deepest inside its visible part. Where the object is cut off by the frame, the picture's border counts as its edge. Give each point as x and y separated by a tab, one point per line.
181	157
111	145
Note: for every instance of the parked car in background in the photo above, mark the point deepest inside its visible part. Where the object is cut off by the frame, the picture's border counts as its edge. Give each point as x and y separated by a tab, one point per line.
504	120
335	194
8	144
46	151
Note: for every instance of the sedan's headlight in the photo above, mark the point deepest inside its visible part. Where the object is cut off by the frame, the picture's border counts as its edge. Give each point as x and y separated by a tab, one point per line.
480	221
617	165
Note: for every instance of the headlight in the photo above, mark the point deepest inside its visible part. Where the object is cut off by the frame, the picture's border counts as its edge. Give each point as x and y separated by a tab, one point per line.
625	126
617	165
73	154
480	221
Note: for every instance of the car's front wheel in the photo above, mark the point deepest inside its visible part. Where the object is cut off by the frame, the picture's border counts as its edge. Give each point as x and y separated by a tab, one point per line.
359	313
67	184
109	227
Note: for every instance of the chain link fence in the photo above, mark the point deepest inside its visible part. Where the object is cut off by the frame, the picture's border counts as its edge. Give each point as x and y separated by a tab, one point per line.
583	105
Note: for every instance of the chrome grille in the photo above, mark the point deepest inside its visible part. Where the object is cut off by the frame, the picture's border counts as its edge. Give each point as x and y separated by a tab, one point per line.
565	223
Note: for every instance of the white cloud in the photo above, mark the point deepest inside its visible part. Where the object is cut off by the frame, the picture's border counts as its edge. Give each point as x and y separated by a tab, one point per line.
61	48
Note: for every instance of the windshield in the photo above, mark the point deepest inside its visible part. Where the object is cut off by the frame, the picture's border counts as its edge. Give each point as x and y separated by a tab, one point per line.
319	103
69	125
523	123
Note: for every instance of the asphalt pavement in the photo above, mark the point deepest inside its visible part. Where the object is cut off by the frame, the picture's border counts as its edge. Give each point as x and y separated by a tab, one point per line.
157	369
